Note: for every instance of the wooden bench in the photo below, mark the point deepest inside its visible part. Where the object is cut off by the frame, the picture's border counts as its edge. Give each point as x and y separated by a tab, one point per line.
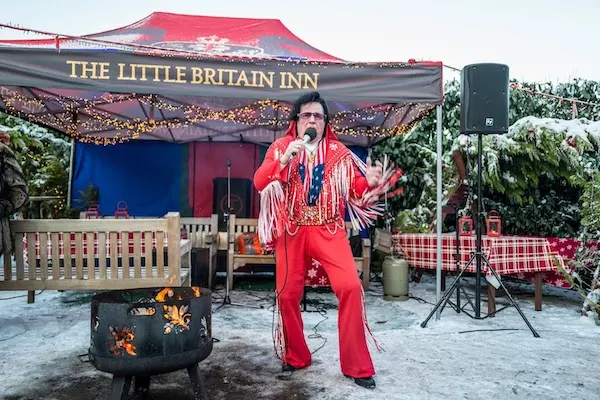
236	260
203	233
61	260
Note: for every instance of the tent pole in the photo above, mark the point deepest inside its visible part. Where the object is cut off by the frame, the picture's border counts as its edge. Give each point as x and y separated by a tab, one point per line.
439	208
70	185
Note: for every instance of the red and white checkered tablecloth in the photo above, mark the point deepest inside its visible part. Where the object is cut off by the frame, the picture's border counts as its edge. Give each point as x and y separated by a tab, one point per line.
566	248
563	247
508	255
84	244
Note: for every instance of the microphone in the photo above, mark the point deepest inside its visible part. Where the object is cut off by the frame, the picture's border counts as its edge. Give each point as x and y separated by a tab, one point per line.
309	135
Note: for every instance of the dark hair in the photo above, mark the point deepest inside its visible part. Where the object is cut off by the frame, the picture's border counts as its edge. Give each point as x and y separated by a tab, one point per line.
312	97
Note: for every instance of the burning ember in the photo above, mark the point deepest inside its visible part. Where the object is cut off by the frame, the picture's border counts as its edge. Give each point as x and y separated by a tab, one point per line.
122	341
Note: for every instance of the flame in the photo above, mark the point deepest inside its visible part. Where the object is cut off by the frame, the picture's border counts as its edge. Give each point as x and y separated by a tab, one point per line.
122	341
169	294
161	296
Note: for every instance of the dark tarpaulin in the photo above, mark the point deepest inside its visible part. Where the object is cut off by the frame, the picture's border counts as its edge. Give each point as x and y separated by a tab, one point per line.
251	79
97	94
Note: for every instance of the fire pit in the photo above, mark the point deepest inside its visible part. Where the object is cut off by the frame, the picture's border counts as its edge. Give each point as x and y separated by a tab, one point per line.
144	332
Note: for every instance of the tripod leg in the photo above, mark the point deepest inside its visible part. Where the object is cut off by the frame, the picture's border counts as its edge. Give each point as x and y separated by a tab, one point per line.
446	296
441	303
535	334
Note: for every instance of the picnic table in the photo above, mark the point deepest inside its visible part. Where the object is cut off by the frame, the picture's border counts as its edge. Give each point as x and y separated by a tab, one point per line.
507	255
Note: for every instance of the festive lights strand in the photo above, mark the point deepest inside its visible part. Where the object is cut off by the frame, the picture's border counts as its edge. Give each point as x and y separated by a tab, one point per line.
258	114
198	55
560	99
101	120
58	37
251	115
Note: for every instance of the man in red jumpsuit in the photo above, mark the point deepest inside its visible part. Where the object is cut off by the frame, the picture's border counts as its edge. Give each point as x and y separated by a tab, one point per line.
305	189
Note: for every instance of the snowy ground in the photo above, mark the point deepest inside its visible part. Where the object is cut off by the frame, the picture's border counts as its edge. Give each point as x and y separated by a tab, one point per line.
40	344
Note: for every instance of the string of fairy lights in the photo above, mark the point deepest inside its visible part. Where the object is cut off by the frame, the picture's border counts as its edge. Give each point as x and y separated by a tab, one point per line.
86	121
82	119
570	100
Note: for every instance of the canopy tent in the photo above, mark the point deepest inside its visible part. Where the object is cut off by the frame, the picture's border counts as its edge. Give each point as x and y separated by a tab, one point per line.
186	78
180	78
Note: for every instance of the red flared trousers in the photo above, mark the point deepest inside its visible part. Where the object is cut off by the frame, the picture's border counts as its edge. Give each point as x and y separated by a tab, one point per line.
294	254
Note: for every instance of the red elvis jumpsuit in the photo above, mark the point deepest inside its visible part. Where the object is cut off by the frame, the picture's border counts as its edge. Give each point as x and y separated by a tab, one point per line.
302	232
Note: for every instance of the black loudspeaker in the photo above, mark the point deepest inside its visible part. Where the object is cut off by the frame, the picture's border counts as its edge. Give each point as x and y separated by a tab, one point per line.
484	99
241	197
200	268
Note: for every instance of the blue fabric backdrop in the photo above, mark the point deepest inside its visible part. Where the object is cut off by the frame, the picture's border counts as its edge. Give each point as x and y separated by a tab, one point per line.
145	174
150	176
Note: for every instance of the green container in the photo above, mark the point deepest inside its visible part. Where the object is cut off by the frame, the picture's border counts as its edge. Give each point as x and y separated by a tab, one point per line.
395	279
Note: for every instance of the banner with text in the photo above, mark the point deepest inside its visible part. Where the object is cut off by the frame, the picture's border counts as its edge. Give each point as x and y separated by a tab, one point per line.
251	79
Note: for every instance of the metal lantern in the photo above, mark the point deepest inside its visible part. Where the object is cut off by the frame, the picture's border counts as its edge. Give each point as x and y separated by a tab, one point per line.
92	212
494	224
465	226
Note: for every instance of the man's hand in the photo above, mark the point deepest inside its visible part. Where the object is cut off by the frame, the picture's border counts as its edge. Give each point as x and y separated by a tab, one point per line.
294	147
373	173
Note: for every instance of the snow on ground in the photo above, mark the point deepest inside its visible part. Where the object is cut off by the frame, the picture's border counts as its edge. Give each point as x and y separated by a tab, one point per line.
498	359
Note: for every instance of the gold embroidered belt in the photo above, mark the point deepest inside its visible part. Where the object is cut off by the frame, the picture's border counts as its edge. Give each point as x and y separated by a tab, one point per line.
310	216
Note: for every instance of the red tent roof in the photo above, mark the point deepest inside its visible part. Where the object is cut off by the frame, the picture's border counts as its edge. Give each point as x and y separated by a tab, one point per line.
218	36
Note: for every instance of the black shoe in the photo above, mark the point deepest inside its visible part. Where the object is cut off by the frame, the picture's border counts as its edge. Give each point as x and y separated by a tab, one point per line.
286	373
288	368
367	383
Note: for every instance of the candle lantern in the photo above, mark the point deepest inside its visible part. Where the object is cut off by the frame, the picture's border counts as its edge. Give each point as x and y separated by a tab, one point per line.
92	212
465	226
494	224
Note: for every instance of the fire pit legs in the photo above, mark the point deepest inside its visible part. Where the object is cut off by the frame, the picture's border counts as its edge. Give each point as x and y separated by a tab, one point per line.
142	386
119	389
197	382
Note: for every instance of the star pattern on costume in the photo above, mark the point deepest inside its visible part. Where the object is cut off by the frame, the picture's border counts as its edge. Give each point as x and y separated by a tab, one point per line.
302	171
333	146
316	184
315	275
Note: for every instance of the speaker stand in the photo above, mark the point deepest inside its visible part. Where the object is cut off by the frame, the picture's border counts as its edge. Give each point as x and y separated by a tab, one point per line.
479	258
227	298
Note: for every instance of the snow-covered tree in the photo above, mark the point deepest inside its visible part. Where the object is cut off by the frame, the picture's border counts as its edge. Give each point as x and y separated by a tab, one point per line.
45	157
524	171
